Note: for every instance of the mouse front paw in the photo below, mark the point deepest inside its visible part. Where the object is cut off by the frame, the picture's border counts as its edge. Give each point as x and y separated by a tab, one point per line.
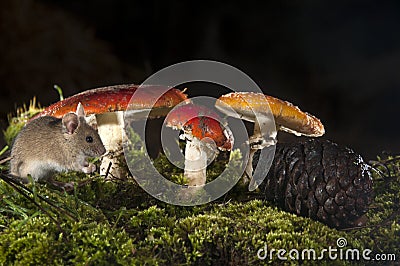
90	168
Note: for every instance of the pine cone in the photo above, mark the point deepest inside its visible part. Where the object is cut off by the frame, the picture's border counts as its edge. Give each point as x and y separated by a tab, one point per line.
321	180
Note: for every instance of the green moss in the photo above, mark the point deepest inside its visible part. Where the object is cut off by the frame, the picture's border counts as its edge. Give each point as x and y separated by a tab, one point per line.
118	223
17	123
40	242
115	231
231	233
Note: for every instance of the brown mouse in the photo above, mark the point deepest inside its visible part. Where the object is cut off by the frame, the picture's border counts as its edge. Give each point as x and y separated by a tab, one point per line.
48	145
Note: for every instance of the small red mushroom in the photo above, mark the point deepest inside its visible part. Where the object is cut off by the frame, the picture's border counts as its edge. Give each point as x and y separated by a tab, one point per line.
199	123
108	104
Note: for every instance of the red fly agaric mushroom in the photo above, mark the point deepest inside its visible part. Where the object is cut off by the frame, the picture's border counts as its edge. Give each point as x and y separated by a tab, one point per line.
246	105
199	124
287	116
115	98
108	105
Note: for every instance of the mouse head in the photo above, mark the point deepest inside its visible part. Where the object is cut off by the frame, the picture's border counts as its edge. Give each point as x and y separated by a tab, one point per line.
80	134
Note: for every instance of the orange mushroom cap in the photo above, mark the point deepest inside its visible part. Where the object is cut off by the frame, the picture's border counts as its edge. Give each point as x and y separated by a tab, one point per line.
289	117
117	98
201	122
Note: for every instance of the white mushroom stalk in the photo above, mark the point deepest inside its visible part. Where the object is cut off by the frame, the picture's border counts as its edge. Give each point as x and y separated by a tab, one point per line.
110	128
197	155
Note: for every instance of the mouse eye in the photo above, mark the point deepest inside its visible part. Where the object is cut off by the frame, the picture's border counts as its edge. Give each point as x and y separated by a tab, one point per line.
89	139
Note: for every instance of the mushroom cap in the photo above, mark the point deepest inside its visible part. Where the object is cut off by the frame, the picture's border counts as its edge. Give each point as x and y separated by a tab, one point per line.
289	117
117	98
201	122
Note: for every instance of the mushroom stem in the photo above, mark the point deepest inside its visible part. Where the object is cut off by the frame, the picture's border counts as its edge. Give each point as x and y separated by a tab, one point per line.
258	141
110	128
195	162
254	138
198	153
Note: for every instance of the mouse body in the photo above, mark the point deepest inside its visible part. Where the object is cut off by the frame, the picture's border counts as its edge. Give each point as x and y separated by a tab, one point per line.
48	145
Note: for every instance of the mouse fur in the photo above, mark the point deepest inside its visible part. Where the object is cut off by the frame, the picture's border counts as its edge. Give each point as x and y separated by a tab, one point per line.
48	145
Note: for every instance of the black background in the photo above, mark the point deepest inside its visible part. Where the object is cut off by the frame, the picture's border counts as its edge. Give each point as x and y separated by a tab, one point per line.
339	60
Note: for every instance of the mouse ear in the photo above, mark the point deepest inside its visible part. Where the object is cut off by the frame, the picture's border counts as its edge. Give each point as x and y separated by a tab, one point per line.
80	111
70	122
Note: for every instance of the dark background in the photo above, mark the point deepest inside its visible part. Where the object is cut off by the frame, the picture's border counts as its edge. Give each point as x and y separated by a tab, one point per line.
339	60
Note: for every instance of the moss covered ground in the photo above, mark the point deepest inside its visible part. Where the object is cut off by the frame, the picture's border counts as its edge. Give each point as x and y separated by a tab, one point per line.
116	222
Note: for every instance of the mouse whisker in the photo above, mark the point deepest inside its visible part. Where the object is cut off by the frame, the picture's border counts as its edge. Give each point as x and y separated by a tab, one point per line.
5	160
105	154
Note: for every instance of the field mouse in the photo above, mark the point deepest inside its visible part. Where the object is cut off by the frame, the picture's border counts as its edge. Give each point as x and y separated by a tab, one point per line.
48	145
